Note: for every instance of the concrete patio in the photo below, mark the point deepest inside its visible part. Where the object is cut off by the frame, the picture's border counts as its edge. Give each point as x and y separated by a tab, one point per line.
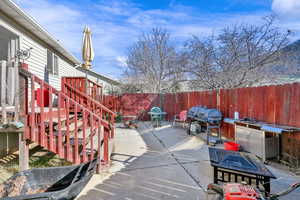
162	163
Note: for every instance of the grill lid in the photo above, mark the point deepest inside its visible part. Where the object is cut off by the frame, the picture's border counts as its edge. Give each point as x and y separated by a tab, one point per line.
204	114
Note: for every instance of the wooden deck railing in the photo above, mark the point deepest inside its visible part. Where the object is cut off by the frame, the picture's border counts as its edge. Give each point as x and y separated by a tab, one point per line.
95	106
86	86
64	126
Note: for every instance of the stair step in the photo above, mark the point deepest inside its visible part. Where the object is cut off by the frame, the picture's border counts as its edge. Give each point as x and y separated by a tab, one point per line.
80	141
70	155
72	126
64	118
63	133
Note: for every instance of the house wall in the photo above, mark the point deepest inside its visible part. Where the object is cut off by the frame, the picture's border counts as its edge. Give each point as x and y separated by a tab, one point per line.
38	60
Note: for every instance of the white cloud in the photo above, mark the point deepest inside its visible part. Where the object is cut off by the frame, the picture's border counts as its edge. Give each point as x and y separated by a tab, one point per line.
63	22
289	15
122	60
286	8
115	7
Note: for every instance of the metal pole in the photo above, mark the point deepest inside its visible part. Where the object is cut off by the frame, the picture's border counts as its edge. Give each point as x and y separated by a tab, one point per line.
86	81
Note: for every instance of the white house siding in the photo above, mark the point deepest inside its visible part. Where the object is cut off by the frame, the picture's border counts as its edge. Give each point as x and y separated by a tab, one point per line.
38	62
38	59
68	71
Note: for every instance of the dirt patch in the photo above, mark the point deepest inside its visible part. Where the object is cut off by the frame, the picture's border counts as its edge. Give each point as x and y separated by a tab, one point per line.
7	172
12	187
15	187
36	191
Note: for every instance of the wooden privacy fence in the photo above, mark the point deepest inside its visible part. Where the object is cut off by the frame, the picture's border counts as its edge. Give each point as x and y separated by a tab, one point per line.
279	104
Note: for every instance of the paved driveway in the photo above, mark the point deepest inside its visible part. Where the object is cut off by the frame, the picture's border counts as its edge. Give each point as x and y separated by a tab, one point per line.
161	163
150	164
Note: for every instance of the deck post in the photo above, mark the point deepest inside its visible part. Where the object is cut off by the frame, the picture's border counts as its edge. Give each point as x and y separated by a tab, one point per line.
11	81
17	92
22	100
3	66
23	153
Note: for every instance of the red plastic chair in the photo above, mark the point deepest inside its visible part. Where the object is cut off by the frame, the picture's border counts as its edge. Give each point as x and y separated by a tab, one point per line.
180	118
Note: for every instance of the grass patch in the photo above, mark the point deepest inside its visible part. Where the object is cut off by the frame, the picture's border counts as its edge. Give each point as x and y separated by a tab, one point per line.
39	158
47	160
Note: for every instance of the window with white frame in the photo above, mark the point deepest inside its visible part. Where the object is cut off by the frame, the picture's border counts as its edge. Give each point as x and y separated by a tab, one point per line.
52	63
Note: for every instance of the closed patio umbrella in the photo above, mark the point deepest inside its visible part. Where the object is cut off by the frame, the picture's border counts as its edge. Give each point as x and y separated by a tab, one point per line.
87	48
87	53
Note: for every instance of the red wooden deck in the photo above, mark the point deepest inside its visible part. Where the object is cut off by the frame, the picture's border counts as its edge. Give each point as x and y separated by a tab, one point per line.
77	129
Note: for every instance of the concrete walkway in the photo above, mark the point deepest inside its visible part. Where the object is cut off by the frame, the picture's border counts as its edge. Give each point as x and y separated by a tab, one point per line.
161	163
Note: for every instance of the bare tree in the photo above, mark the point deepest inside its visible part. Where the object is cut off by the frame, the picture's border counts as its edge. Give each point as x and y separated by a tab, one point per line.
238	56
153	63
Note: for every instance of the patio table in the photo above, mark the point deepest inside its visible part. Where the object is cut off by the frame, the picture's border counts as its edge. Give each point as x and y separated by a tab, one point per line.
157	115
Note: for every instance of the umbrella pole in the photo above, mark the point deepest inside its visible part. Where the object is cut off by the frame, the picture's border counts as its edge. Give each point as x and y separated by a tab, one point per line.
86	82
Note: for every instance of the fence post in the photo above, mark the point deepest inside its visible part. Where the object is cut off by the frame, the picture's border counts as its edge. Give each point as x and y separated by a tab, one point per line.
218	99
188	96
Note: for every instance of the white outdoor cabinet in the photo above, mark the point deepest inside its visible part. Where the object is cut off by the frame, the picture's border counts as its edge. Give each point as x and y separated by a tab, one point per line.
261	143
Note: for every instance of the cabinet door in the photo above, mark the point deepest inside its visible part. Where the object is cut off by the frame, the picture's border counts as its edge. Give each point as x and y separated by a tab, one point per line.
242	137
256	142
251	140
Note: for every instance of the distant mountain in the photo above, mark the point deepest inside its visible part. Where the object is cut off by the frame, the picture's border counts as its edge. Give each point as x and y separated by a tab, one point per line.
287	68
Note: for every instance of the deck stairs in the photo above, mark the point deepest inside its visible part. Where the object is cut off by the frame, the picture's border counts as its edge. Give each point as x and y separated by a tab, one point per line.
77	127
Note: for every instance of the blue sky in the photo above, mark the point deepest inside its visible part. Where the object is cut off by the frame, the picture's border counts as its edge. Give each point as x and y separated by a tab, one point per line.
116	24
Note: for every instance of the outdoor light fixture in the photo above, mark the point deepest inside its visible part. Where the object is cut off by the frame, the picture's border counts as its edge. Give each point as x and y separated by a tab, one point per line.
24	54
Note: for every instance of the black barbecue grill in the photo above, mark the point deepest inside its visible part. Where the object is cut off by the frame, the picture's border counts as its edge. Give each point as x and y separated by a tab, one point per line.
204	119
206	115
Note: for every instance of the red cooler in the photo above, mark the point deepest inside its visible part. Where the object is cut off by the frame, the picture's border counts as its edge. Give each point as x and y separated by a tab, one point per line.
39	97
231	146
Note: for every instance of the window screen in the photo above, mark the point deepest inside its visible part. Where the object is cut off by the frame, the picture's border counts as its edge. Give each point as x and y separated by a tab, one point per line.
55	64
50	62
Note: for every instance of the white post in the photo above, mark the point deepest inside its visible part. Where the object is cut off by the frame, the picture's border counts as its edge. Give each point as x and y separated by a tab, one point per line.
23	153
17	91
11	81
23	108
3	66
